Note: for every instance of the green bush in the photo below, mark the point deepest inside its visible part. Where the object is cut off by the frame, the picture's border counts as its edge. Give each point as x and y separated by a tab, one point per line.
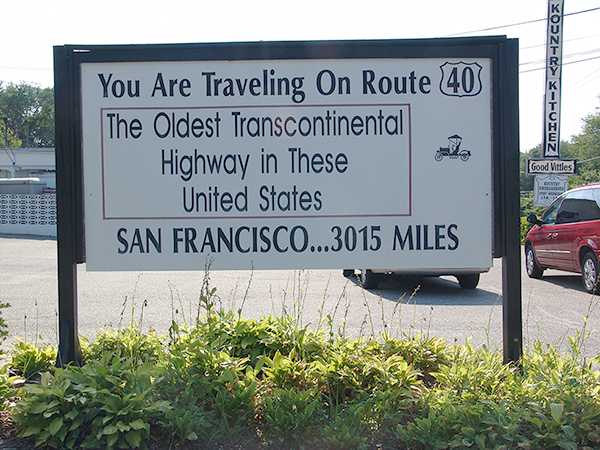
254	338
212	392
527	206
350	370
426	355
229	381
104	404
526	209
3	326
129	342
525	227
27	360
483	404
290	415
8	387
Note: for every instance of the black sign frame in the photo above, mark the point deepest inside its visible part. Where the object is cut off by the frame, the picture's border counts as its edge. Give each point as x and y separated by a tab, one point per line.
503	53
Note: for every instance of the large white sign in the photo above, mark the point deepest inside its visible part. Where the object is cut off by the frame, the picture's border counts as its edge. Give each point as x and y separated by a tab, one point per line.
378	163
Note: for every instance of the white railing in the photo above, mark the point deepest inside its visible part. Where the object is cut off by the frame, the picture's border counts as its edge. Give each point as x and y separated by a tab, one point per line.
28	214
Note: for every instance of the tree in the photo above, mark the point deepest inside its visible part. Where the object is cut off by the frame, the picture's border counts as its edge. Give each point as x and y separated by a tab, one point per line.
27	111
525	180
585	147
7	137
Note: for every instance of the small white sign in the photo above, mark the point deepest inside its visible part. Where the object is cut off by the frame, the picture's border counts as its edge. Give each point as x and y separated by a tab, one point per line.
548	188
551	166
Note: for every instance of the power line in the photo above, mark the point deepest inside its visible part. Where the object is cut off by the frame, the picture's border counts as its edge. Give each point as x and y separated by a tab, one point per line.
565	40
520	23
564	64
571	55
583	81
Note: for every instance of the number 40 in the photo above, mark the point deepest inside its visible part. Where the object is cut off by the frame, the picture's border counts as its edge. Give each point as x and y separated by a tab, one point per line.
467	80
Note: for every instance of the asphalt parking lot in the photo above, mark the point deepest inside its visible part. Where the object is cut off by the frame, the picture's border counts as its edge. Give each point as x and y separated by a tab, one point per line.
553	308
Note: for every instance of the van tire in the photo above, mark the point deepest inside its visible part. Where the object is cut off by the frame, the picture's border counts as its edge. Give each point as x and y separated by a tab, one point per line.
469	281
589	272
368	279
533	270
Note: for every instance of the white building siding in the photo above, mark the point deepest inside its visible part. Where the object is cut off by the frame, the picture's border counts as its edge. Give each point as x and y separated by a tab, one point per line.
28	213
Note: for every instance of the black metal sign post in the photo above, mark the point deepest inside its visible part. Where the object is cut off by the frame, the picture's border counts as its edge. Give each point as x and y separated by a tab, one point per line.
69	204
501	52
511	246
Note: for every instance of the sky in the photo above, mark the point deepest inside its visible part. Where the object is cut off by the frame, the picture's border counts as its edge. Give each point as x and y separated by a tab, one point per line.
29	33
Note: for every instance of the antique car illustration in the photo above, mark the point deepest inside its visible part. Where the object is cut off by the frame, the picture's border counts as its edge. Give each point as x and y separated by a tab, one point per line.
453	150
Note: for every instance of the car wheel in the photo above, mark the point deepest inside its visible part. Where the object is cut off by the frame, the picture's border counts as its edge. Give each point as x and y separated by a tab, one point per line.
469	281
533	270
348	272
464	156
439	157
368	279
589	272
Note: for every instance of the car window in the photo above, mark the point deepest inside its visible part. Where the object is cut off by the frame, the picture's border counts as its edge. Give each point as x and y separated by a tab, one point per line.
549	217
578	206
596	195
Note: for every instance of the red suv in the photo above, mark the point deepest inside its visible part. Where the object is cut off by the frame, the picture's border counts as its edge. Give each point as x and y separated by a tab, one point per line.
567	237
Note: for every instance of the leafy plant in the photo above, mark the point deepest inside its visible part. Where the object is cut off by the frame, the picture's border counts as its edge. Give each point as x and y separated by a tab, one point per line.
128	342
480	403
352	369
234	404
213	392
426	355
104	404
8	387
249	338
224	378
3	326
347	428
27	360
188	421
287	372
290	414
